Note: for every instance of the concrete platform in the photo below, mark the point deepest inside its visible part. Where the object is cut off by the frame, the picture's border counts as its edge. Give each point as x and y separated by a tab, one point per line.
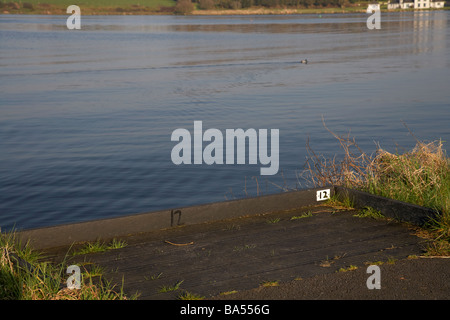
245	245
405	279
233	255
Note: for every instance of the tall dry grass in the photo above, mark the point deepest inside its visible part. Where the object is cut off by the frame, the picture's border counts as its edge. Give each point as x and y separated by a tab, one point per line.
420	176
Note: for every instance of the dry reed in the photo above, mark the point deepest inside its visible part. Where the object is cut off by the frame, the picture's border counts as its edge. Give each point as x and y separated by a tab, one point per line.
421	176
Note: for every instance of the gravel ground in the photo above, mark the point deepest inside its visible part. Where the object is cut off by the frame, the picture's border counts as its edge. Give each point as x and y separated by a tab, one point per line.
408	279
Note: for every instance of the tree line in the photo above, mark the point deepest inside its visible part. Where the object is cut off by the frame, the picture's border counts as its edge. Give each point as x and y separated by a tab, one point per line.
236	4
242	4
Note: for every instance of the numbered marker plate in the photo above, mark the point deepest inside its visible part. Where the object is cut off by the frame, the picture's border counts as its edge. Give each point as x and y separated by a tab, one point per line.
323	194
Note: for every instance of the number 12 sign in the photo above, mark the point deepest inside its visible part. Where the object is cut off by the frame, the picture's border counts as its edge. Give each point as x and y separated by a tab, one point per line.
323	194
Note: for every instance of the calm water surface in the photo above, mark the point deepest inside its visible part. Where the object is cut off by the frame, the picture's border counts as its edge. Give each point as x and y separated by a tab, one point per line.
86	116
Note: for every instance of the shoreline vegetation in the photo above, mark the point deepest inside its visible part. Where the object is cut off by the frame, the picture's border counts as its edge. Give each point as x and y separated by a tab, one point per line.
420	176
191	7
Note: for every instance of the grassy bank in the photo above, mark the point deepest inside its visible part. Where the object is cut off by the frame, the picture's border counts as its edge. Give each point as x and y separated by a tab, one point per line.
273	11
420	176
154	7
151	7
98	7
26	275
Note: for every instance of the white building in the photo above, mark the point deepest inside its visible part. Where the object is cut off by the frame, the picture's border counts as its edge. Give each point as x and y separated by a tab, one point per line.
416	4
373	7
437	4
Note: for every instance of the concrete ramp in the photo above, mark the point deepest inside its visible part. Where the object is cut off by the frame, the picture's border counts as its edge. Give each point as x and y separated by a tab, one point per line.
222	257
220	248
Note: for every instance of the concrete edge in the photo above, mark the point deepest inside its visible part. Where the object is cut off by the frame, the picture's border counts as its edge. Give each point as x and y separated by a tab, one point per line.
395	209
68	234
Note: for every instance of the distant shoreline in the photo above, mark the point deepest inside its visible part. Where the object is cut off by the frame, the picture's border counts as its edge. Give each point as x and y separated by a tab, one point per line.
46	9
274	11
288	11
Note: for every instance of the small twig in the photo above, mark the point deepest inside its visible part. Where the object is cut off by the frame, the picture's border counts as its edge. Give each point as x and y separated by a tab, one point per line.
179	244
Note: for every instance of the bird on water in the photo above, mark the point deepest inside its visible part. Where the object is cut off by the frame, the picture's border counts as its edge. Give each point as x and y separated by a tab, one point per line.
304	61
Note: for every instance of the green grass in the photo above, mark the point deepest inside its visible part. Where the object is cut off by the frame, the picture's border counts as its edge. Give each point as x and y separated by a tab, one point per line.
171	288
339	204
98	7
153	276
349	268
25	275
421	176
273	220
302	216
99	246
274	283
369	212
227	293
190	296
99	3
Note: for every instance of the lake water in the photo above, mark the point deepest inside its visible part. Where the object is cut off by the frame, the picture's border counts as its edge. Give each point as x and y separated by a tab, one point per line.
86	116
